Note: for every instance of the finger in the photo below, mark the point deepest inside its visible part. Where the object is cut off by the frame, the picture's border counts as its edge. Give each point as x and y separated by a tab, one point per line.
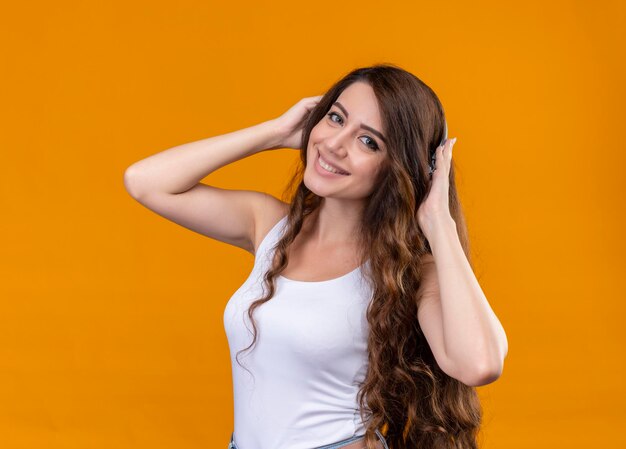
443	158
451	148
314	100
447	148
441	155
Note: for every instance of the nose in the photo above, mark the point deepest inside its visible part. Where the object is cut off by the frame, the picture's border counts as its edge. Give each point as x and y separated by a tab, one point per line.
336	143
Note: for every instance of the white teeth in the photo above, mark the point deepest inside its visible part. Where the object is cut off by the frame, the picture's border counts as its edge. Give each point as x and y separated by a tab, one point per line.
329	168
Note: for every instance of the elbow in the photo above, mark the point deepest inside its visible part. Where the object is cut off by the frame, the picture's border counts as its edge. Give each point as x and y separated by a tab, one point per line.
491	368
485	374
130	182
484	369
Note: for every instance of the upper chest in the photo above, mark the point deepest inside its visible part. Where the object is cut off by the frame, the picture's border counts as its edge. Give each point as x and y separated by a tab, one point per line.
311	263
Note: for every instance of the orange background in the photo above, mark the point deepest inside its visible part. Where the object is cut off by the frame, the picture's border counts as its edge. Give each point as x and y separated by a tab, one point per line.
111	332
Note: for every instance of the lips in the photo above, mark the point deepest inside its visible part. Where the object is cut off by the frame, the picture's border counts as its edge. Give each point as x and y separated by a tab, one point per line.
343	172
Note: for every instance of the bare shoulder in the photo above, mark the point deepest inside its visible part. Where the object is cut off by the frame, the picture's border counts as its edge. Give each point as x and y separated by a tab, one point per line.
268	212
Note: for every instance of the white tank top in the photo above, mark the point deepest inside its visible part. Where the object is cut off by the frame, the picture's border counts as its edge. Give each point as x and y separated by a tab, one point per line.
308	362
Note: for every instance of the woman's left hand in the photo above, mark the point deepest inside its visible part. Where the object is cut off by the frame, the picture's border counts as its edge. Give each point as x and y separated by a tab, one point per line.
434	209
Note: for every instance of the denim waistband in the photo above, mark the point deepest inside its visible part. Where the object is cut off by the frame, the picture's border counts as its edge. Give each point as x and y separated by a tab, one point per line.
338	444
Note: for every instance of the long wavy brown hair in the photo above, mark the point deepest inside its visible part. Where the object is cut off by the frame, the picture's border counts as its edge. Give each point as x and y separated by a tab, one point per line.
405	394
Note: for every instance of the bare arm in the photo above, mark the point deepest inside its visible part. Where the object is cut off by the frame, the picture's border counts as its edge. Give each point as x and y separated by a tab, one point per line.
168	183
180	168
466	338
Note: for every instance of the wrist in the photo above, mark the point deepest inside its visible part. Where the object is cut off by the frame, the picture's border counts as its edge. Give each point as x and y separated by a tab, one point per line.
274	135
441	228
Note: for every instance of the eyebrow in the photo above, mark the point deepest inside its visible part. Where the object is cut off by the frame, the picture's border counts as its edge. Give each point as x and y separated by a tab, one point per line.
369	128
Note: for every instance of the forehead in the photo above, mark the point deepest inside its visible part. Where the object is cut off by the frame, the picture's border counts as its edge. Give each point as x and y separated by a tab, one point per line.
360	101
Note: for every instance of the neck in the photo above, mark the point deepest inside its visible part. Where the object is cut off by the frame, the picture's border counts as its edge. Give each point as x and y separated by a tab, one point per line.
333	223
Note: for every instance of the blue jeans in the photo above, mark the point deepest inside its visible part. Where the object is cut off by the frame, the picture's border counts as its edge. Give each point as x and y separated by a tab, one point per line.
335	445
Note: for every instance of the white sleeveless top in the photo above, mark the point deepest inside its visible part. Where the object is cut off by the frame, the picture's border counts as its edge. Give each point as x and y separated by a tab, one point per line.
308	362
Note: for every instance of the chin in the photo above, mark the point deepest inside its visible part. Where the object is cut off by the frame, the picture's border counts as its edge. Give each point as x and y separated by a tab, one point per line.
308	185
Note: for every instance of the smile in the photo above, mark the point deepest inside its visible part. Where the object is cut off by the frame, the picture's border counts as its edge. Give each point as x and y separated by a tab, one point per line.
329	168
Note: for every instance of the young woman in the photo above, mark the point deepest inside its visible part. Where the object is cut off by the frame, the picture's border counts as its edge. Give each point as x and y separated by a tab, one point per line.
362	323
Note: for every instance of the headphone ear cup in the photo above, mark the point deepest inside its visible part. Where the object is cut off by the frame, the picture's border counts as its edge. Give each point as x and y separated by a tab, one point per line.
433	156
432	162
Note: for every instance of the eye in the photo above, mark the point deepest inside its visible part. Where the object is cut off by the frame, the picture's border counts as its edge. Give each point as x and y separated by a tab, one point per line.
373	145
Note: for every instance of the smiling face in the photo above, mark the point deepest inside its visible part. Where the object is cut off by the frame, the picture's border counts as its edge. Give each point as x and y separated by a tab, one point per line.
349	138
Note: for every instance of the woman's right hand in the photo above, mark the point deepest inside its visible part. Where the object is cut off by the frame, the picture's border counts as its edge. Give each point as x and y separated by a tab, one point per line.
290	123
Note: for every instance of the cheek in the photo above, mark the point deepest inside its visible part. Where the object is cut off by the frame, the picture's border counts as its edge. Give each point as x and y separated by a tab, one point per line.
312	140
310	153
368	168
